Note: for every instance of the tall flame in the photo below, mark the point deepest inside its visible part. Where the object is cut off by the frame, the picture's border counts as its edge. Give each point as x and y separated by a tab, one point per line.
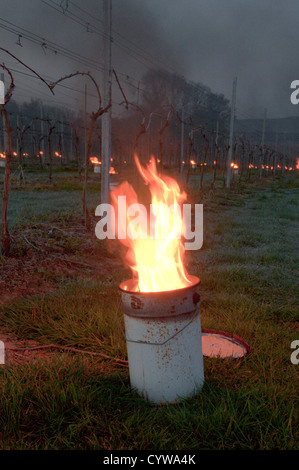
156	256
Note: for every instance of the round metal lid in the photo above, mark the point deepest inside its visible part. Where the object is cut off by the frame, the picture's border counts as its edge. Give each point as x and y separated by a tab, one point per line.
223	345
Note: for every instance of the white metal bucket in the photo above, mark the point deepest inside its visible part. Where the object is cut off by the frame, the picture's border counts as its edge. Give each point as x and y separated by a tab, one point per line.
97	169
164	343
2	163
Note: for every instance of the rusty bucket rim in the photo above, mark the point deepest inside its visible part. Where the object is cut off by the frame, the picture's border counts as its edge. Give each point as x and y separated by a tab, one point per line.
195	283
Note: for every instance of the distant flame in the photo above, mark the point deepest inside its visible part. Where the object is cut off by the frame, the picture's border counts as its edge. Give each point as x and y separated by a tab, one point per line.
297	163
156	262
234	165
2	155
192	162
95	161
112	171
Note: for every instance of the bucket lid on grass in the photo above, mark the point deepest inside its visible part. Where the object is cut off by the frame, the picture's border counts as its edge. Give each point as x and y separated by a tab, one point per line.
223	345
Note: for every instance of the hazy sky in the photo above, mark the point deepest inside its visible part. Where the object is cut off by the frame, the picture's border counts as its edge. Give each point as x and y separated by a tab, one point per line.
207	41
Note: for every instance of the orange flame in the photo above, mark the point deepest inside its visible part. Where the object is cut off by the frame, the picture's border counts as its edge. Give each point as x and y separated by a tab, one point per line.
156	255
192	162
234	165
112	171
297	163
2	155
95	161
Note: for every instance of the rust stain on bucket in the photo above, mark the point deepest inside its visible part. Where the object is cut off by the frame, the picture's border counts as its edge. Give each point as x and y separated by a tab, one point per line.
136	303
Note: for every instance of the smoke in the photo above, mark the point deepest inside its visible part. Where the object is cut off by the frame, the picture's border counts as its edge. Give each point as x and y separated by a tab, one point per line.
250	39
207	41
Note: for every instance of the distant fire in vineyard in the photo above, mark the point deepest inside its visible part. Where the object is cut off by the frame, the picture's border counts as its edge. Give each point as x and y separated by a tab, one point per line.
112	171
95	161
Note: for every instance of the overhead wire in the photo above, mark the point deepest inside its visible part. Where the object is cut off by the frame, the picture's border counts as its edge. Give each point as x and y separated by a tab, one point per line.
48	45
57	49
140	55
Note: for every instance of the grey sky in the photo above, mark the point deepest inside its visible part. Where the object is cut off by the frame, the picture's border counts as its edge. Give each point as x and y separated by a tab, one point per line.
207	41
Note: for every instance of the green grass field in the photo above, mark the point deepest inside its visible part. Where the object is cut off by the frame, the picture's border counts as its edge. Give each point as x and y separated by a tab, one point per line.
248	269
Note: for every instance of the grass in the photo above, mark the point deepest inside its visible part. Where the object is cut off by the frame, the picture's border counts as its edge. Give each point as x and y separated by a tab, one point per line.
39	198
248	267
63	405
